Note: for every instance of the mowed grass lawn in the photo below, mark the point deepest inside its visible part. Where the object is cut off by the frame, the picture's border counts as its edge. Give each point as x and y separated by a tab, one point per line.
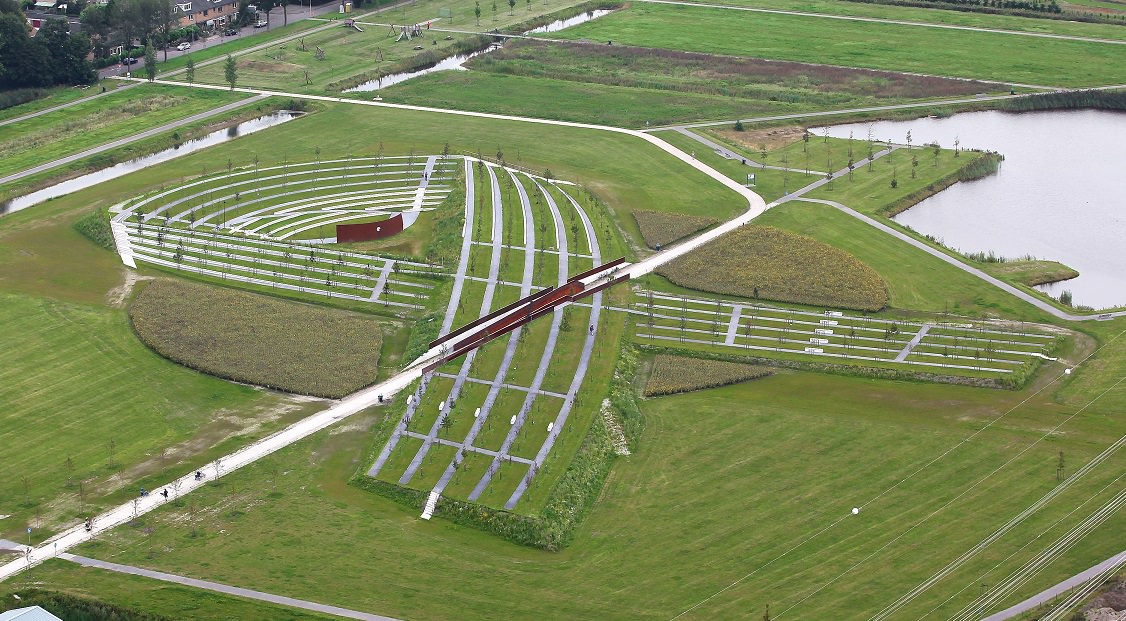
725	481
74	378
894	47
932	16
89	124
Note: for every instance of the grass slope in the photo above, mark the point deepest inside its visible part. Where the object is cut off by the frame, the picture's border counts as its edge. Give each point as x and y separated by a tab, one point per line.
894	47
256	339
772	264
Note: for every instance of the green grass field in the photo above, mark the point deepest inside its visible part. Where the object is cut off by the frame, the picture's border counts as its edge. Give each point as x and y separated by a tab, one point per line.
89	124
711	463
57	96
857	44
634	87
937	16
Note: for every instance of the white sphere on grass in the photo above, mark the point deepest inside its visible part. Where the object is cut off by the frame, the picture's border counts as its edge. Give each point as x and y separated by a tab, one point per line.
856	510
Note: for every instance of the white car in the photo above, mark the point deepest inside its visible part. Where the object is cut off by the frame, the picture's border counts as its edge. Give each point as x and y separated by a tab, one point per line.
184	46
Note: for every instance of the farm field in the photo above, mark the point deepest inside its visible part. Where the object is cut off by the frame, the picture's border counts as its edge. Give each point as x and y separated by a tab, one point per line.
258	340
845	425
772	264
89	124
636	87
892	47
935	16
677	374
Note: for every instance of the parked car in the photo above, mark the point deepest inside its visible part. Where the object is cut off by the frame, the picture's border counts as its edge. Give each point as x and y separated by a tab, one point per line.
184	46
230	32
260	23
128	61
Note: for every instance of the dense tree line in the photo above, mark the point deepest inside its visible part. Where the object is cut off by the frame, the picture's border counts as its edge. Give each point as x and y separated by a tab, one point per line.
53	56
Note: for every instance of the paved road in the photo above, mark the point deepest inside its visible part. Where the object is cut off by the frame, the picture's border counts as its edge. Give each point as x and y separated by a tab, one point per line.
129	139
225	589
898	22
1055	591
66	105
1004	286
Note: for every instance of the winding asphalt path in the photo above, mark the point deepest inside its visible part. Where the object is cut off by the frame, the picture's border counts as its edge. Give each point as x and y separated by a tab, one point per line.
938	254
129	139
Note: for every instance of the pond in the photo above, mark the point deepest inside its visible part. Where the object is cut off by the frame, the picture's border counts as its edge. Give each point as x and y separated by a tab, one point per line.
1058	196
124	168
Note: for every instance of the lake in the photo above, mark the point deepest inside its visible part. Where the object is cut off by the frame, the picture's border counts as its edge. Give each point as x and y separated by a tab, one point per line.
1059	194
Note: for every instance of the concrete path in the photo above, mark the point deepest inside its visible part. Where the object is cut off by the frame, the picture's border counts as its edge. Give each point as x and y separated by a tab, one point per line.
129	139
548	350
897	22
580	371
1004	286
226	589
529	253
906	351
486	307
447	320
68	104
1052	592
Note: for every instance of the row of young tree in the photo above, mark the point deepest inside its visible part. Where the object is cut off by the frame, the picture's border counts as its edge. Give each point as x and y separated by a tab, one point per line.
53	56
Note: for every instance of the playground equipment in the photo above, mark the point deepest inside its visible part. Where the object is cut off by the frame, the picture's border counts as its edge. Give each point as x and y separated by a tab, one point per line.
351	23
407	32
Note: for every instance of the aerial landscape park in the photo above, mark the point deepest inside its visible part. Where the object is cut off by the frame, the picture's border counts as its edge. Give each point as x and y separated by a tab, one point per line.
545	309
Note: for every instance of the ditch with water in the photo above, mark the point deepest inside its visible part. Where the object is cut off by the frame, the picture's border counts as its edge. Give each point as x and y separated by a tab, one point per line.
457	61
118	170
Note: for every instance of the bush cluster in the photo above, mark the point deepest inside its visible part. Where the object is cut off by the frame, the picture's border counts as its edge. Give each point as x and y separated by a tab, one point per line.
95	227
767	263
677	374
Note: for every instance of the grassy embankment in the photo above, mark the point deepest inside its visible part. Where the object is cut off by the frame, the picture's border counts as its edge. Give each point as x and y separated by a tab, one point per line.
89	124
632	87
977	55
258	340
166	140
